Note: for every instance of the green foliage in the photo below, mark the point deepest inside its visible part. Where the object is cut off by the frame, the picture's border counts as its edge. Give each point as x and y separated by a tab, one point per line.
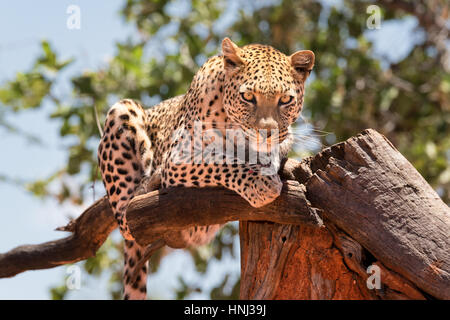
350	89
185	289
28	90
222	293
59	292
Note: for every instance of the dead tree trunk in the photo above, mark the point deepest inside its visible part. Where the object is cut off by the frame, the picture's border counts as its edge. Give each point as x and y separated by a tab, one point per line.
357	204
377	209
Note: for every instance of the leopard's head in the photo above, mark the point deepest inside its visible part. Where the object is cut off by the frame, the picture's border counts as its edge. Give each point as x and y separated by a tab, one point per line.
263	87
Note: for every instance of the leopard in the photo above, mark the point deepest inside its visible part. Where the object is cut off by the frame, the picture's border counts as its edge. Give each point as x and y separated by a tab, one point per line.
251	88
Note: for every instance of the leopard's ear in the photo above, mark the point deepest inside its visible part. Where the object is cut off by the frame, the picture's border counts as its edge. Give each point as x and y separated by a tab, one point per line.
303	61
231	59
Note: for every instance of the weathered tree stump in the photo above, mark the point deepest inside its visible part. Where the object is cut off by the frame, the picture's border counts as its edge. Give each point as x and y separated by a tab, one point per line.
377	209
295	262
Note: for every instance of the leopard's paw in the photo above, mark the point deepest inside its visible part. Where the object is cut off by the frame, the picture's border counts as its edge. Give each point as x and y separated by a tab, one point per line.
263	190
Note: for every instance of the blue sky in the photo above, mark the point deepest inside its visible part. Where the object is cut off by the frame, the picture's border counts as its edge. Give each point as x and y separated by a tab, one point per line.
23	25
27	220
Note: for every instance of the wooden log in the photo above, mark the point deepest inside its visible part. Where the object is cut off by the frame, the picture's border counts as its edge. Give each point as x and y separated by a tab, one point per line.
374	195
152	215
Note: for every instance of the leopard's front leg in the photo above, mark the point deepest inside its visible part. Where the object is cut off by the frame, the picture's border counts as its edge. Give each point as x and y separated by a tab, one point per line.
248	180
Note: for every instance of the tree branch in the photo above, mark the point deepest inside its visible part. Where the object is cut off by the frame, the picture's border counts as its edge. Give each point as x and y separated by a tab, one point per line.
160	213
166	212
89	231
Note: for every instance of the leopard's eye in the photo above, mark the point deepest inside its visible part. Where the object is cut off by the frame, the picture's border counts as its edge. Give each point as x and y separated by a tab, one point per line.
248	96
285	100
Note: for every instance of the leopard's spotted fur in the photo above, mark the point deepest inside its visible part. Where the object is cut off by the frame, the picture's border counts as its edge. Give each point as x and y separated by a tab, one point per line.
252	87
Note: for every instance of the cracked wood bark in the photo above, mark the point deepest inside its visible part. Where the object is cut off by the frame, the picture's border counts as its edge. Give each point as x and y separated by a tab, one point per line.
377	208
164	212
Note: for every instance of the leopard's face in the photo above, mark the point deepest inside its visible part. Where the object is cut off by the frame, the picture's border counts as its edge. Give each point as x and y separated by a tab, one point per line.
263	87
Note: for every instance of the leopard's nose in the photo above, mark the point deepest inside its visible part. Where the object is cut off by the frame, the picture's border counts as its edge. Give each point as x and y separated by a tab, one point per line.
267	124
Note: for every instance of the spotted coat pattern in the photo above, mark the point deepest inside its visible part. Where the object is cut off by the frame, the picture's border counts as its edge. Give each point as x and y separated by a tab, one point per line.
252	87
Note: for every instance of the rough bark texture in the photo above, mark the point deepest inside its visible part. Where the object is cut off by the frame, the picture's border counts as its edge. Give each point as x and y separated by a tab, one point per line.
374	194
294	262
376	208
151	216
